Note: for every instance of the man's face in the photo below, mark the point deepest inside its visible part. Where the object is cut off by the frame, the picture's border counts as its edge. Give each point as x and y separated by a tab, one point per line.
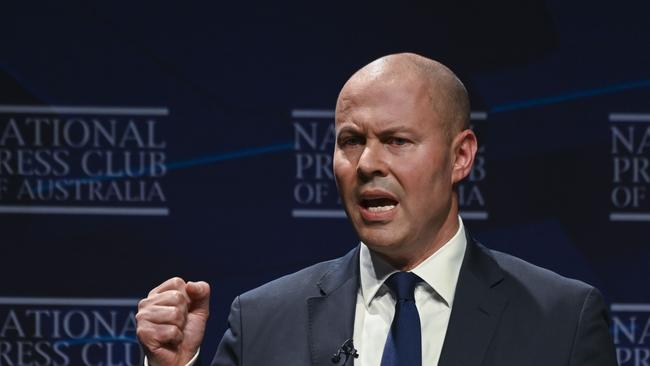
393	164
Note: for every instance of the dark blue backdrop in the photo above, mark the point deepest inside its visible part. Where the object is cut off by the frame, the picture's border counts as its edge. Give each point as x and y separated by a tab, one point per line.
232	92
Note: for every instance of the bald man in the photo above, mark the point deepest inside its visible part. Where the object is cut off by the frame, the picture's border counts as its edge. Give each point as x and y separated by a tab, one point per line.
418	289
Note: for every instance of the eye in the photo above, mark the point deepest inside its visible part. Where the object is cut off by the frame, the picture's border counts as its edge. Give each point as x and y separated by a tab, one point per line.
350	140
398	141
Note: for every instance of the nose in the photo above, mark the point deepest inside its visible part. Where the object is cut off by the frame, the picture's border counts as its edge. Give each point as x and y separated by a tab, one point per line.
372	162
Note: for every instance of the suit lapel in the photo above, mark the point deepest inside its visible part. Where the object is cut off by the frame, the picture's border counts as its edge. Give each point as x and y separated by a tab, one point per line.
331	315
476	309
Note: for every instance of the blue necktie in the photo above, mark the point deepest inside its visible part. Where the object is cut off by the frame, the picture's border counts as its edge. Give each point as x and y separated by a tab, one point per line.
404	344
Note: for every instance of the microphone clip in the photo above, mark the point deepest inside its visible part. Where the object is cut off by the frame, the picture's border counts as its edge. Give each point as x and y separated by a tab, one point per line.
347	348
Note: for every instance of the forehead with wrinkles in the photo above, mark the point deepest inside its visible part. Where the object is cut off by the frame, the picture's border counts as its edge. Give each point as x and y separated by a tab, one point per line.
419	80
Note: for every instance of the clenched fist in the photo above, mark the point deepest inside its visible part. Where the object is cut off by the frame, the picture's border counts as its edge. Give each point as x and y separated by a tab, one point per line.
171	321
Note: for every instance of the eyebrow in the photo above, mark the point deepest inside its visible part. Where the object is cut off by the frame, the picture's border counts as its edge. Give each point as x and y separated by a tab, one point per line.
349	128
394	130
352	128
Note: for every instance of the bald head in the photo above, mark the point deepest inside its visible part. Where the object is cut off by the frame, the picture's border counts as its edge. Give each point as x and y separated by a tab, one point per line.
446	94
402	146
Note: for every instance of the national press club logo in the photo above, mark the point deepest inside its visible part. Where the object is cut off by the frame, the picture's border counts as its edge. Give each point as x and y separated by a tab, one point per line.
82	160
314	190
631	333
630	154
68	331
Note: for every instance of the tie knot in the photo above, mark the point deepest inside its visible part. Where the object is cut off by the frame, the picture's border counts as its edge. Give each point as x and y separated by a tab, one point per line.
403	284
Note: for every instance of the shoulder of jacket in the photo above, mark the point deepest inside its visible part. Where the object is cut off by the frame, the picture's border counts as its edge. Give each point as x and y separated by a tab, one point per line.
535	278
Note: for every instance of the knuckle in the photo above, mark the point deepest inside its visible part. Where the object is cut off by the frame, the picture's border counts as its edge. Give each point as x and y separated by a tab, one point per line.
178	297
172	333
160	335
143	303
177	282
143	334
177	314
178	334
152	292
184	306
140	332
142	316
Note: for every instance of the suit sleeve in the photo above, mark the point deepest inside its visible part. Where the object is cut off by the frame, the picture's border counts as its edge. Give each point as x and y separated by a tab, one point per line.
229	352
593	345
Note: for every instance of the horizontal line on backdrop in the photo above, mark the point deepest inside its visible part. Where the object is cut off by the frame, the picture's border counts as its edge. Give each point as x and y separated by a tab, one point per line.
327	113
626	216
474	215
67	301
312	113
630	307
81	210
340	214
323	214
41	109
629	117
478	116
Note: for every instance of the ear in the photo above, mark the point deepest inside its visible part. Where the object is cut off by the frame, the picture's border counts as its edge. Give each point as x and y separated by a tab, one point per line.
464	148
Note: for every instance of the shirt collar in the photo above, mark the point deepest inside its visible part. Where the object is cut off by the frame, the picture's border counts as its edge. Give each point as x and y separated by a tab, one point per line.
439	271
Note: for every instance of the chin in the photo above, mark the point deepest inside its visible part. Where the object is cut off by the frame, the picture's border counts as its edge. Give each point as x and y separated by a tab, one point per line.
380	240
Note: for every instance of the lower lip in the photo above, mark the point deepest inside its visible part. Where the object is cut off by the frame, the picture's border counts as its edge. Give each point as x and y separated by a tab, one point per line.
378	216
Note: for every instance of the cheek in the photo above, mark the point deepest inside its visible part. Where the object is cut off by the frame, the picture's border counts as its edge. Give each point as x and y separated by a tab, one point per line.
423	182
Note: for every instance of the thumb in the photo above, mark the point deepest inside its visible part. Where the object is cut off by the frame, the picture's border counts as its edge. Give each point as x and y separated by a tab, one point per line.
199	293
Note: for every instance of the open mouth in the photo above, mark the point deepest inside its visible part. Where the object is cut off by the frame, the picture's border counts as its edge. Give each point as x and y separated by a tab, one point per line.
380	204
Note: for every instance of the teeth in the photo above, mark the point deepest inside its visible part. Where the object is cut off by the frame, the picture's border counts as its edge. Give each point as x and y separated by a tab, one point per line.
381	208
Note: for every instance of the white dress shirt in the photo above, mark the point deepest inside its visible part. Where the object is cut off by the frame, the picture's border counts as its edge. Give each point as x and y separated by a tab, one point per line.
434	297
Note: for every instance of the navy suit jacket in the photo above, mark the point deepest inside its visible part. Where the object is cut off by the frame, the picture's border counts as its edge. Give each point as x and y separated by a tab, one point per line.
505	312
